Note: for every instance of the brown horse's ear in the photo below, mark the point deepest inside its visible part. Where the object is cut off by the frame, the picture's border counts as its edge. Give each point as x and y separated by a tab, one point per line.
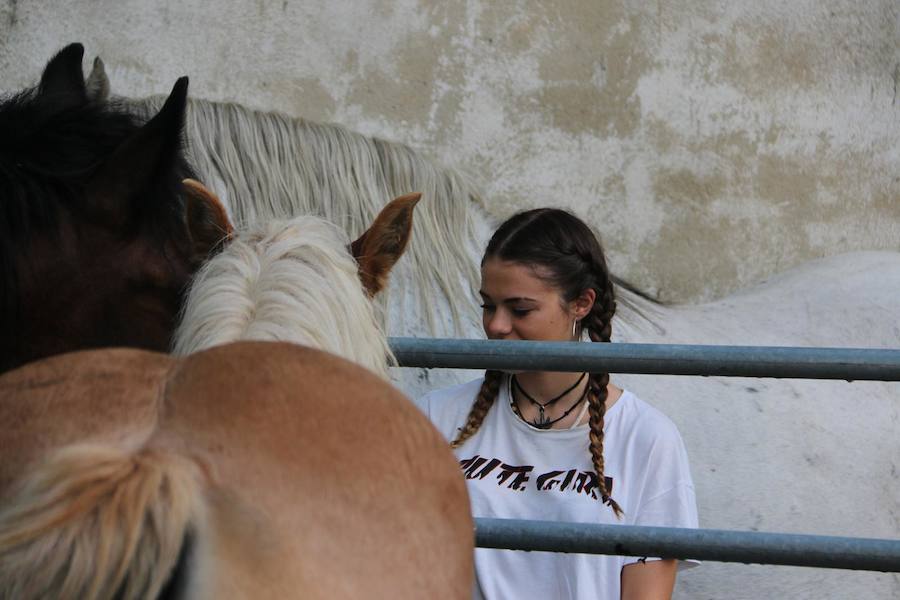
138	161
63	79
378	249
207	219
97	83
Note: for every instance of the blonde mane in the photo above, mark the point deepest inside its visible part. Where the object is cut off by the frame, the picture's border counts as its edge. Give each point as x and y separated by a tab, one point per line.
267	165
94	522
292	281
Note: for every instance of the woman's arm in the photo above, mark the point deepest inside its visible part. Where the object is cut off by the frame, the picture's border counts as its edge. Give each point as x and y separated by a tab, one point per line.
650	580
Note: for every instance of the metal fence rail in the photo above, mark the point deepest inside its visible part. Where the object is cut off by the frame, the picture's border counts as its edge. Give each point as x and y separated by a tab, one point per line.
702	544
670	359
665	359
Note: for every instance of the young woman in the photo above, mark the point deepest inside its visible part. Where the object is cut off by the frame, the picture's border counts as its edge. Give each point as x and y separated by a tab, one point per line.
561	446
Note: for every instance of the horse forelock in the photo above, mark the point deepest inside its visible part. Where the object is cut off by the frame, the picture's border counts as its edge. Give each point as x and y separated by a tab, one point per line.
45	157
289	281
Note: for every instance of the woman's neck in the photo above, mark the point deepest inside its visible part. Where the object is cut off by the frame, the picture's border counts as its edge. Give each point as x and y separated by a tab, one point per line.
543	386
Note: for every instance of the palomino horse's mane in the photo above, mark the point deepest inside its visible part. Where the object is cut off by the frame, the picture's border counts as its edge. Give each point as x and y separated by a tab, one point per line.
292	281
140	504
268	165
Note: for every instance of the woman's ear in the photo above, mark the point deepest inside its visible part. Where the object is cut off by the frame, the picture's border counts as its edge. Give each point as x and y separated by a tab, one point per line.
582	305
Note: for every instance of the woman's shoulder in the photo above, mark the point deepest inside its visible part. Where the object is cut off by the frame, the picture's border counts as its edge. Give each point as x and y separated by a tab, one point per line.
645	420
454	393
451	404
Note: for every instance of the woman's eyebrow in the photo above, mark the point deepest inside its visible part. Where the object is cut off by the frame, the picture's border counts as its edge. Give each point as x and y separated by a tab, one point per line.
520	299
485	296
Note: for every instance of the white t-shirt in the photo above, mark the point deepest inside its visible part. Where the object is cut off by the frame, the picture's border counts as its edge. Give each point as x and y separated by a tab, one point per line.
516	471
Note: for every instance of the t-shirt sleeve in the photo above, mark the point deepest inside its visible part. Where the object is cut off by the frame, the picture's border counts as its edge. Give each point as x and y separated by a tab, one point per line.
668	498
447	408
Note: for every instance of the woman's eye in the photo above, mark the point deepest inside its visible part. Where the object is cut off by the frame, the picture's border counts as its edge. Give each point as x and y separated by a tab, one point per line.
487	307
521	312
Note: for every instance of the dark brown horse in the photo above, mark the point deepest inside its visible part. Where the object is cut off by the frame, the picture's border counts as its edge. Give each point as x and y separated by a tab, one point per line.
98	236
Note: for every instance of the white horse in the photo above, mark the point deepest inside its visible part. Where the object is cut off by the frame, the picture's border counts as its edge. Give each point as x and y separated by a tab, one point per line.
787	455
771	455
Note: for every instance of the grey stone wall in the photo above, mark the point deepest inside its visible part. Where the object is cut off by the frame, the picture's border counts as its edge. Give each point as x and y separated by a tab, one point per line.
712	143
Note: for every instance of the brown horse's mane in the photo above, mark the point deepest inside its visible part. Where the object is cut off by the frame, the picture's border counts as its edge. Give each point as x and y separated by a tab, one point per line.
48	151
54	138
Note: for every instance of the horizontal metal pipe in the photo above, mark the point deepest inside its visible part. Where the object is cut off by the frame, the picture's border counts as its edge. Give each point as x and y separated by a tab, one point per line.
716	545
665	359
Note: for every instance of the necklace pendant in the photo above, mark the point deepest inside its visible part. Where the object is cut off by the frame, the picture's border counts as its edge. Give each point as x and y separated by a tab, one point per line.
542	422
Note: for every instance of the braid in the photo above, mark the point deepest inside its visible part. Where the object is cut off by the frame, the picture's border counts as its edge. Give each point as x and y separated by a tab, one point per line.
486	396
597	409
599	321
599	325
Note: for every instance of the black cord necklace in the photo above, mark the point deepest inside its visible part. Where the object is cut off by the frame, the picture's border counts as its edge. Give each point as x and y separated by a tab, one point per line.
542	422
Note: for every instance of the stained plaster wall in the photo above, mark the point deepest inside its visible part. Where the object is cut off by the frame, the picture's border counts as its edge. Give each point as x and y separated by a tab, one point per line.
712	143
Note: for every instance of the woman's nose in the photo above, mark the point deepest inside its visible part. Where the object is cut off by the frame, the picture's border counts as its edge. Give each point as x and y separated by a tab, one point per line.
497	325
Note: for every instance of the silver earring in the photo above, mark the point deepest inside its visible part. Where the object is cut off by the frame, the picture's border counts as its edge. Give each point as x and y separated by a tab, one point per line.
574	325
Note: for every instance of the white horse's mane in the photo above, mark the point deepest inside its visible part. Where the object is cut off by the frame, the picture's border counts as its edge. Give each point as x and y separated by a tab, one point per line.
292	281
268	165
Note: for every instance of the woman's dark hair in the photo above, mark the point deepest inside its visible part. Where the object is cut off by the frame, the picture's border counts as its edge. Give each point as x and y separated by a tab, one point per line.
568	256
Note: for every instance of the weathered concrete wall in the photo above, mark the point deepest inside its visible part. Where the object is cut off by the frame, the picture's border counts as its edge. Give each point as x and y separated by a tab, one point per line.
712	143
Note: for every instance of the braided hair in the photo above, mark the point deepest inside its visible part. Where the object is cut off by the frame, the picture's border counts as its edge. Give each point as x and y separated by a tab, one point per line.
572	261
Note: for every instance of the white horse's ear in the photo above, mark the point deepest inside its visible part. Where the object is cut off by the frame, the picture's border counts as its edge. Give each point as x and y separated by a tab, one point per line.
378	249
97	83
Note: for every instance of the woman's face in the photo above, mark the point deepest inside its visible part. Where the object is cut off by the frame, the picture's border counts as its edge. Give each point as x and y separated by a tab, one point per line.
517	305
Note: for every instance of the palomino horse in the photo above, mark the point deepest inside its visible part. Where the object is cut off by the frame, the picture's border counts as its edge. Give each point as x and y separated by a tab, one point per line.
98	238
251	470
300	281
